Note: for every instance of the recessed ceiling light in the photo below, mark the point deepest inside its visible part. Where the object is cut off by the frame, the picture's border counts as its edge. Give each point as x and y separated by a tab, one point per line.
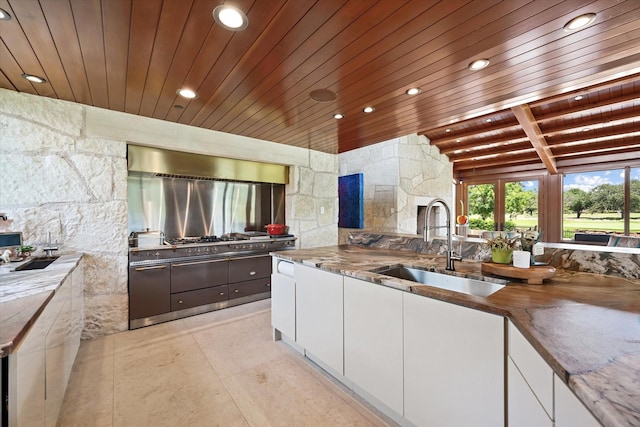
33	79
579	22
187	93
368	109
230	17
578	98
322	95
4	15
413	91
447	130
489	120
478	64
338	116
458	140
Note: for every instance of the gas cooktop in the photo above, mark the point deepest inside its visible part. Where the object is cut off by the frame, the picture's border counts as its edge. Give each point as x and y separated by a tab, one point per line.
202	239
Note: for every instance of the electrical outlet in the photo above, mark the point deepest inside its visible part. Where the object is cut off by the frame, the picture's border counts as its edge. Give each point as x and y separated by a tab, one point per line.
321	210
538	249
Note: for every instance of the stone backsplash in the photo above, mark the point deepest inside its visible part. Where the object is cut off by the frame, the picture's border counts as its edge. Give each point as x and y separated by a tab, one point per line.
621	263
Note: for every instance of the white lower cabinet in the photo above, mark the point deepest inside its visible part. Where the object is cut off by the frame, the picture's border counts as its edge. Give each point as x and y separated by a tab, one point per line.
569	411
39	369
283	301
453	364
373	341
524	409
319	316
536	396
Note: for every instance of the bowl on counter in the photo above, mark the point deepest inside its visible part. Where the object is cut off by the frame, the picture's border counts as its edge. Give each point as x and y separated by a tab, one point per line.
275	229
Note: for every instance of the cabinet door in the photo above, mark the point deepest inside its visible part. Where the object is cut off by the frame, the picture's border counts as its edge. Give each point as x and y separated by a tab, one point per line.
56	351
192	275
534	369
149	291
373	340
250	287
453	364
26	377
249	268
319	315
569	411
524	408
283	304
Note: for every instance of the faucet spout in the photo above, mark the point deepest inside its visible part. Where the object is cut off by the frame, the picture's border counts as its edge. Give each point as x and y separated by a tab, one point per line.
451	255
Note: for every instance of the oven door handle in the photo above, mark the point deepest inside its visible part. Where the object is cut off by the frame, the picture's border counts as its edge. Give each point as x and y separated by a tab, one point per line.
157	267
249	256
184	264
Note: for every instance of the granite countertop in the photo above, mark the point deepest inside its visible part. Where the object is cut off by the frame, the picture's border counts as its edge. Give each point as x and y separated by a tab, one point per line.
24	294
586	326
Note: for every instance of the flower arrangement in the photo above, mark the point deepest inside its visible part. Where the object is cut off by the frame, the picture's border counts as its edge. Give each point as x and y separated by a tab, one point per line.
529	238
502	243
502	248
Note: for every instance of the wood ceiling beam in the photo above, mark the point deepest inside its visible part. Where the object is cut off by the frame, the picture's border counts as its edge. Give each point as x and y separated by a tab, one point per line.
475	131
530	126
502	160
624	115
629	130
595	88
506	150
589	107
478	144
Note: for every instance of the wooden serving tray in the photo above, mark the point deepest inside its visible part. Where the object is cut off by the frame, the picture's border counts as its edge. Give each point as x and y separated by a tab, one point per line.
533	275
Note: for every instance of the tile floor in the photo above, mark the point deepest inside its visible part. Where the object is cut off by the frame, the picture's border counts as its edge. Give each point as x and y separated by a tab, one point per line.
216	369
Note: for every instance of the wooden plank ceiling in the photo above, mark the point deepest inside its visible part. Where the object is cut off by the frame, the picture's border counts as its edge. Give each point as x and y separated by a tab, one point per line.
133	56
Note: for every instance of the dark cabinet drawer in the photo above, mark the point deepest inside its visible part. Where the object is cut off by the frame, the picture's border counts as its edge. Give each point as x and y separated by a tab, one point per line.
250	287
249	268
191	275
183	300
149	291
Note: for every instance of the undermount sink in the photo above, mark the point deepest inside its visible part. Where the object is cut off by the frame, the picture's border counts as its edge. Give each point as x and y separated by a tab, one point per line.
37	263
444	281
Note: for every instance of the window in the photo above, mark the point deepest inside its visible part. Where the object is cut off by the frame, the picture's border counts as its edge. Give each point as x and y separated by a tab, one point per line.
503	205
597	204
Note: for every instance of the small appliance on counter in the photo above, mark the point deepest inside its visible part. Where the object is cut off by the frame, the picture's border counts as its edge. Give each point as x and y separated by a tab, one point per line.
145	239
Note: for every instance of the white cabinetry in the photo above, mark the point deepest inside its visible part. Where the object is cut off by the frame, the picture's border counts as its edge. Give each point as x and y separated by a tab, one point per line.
536	396
319	316
524	408
569	411
453	364
373	341
40	367
530	384
283	299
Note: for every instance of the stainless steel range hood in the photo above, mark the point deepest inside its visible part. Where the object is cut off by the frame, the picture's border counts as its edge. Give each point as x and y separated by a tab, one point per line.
149	161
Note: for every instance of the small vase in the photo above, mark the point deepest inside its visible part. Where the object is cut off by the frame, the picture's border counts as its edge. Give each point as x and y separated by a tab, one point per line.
501	256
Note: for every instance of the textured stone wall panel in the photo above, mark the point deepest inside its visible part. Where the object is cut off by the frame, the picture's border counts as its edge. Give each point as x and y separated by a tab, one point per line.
325	185
62	116
20	136
30	180
106	274
105	315
98	227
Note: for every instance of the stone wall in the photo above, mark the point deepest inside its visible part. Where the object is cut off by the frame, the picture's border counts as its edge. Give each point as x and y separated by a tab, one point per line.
63	170
57	180
399	175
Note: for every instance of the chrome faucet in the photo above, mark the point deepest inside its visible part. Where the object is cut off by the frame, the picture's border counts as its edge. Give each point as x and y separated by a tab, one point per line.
49	248
451	255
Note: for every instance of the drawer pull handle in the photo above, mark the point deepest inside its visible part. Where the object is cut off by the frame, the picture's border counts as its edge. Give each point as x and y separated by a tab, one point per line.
252	273
157	267
180	302
236	291
221	294
268	285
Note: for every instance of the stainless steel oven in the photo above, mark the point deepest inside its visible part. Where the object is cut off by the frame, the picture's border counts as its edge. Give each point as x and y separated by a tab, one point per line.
189	276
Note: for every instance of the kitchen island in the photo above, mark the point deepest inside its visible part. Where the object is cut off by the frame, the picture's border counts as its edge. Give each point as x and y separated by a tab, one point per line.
585	326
